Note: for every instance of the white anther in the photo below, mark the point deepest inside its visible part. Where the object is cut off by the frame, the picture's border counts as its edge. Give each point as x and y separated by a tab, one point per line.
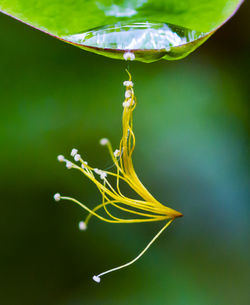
60	158
96	279
57	197
131	102
83	164
82	226
126	104
103	175
77	157
128	83
128	93
116	153
69	164
104	141
129	56
97	171
74	152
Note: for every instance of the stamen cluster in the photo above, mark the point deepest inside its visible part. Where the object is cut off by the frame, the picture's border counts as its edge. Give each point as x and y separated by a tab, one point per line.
146	209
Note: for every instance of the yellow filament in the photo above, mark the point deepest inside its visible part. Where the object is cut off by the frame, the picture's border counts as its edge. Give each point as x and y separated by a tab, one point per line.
138	256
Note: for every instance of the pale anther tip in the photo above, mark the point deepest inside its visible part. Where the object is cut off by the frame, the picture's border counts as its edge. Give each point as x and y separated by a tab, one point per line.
57	197
83	165
60	158
96	278
116	153
125	104
77	157
129	56
69	164
103	175
74	152
82	226
128	83
128	93
104	141
97	171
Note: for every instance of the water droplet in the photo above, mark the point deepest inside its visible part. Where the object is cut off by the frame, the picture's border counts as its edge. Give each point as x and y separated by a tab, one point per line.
146	40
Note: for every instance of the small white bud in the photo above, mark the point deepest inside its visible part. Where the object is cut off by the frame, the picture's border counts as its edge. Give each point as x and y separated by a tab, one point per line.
96	278
97	171
60	158
74	152
82	226
129	56
128	83
104	141
128	93
69	164
77	157
57	197
116	153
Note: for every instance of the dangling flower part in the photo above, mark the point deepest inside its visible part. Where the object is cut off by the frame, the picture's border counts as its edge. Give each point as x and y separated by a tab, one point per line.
146	209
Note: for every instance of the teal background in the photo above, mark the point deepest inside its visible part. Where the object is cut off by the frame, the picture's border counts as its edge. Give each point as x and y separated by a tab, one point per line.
191	125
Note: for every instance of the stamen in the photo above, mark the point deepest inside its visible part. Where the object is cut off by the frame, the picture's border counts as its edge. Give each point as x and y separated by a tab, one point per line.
82	226
126	104
73	152
129	56
69	164
103	175
117	153
104	141
128	83
57	197
96	279
132	102
77	157
60	158
128	93
83	165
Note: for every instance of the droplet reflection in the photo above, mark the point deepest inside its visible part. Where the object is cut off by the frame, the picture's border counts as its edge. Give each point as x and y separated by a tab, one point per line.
149	41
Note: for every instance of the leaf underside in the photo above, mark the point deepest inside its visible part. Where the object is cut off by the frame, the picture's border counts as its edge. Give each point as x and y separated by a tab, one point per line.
61	18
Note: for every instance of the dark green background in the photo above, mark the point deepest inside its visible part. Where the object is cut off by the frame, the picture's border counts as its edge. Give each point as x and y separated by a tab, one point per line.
191	125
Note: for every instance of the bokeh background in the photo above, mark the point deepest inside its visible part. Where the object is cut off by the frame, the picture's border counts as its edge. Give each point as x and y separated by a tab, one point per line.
191	125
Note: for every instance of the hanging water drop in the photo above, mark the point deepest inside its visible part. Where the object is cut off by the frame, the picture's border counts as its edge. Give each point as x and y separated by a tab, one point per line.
142	41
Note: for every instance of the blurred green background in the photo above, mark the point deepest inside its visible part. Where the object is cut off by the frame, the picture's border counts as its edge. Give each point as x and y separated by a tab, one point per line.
191	125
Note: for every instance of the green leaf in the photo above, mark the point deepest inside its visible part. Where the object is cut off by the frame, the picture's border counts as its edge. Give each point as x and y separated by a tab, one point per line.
65	18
